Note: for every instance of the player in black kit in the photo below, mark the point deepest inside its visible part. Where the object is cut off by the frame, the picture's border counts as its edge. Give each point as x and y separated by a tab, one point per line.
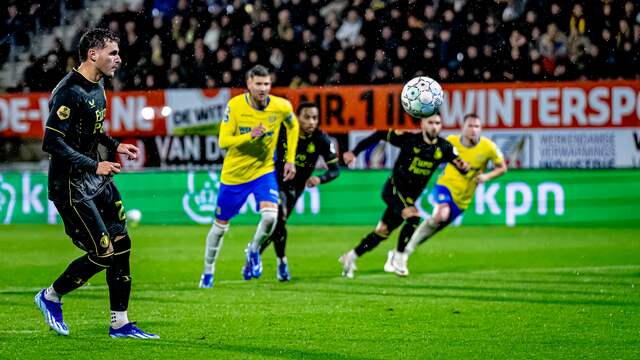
312	143
420	155
81	186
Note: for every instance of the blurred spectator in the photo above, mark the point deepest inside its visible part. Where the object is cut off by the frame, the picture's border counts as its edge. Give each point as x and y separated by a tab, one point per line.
350	29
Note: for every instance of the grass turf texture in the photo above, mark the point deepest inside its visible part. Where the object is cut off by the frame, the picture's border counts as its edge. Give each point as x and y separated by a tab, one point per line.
473	292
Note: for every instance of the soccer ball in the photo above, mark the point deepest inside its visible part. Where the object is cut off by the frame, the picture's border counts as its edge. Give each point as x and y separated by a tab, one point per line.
421	97
133	217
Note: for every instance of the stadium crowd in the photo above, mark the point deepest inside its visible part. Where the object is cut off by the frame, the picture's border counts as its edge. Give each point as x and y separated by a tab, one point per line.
210	43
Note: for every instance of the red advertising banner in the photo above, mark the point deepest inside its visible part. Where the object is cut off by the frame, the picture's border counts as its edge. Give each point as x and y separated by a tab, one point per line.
517	106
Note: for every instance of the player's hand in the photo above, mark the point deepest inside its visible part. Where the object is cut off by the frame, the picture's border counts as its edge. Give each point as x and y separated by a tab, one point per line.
348	157
128	149
257	131
108	168
312	181
482	178
289	171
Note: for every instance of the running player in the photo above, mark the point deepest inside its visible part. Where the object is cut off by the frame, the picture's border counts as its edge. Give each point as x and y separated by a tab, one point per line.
454	191
420	155
250	133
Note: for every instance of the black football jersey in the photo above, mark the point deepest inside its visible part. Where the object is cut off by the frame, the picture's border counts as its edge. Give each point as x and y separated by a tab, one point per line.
417	161
309	149
75	127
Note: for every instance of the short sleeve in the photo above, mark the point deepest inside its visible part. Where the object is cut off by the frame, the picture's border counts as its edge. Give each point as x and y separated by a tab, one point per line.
496	154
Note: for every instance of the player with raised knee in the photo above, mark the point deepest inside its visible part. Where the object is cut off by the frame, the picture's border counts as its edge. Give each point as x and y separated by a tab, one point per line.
82	189
312	143
454	191
249	132
420	155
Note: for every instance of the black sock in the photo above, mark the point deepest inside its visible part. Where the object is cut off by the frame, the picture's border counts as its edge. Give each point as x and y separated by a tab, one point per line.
119	275
280	240
76	274
368	243
407	230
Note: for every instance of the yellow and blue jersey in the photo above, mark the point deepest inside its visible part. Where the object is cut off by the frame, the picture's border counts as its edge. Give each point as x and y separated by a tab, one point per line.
462	186
247	159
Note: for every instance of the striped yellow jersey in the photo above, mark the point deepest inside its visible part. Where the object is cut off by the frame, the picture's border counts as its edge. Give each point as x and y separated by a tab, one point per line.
247	159
462	186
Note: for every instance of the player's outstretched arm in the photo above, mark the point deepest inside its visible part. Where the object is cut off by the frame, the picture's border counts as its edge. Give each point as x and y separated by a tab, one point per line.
372	139
380	135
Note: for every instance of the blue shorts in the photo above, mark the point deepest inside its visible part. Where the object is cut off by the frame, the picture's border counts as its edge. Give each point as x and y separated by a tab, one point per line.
232	197
442	195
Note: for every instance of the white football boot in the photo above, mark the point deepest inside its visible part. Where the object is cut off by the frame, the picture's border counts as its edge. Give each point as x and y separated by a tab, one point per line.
348	262
400	264
389	265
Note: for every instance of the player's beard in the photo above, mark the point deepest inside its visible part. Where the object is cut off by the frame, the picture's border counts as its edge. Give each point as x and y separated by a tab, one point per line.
472	141
428	136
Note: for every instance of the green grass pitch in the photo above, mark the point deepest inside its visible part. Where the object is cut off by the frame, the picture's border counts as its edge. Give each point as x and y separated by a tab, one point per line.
473	293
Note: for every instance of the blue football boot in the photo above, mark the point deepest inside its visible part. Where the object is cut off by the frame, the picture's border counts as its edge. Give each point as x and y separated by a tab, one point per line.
206	281
131	331
283	272
256	263
52	312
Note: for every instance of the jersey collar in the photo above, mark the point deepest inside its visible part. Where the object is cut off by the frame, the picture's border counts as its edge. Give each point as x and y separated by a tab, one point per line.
468	146
428	141
75	70
248	100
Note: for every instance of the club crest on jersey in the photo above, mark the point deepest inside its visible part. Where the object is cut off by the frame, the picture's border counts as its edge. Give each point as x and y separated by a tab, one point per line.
272	118
416	150
63	112
92	103
104	241
311	148
438	154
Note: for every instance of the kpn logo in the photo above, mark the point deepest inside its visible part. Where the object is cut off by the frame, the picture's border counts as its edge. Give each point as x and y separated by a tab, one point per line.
199	202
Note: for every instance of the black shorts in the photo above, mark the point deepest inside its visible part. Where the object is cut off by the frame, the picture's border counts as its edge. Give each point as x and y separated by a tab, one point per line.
93	224
396	202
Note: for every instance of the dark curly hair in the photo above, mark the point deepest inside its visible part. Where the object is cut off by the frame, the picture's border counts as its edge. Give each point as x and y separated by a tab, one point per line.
95	39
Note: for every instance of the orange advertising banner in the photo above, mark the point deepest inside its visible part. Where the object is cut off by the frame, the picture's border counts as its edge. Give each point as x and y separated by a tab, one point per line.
544	105
515	106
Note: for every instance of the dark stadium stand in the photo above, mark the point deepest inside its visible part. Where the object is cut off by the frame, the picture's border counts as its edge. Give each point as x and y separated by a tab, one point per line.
181	43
